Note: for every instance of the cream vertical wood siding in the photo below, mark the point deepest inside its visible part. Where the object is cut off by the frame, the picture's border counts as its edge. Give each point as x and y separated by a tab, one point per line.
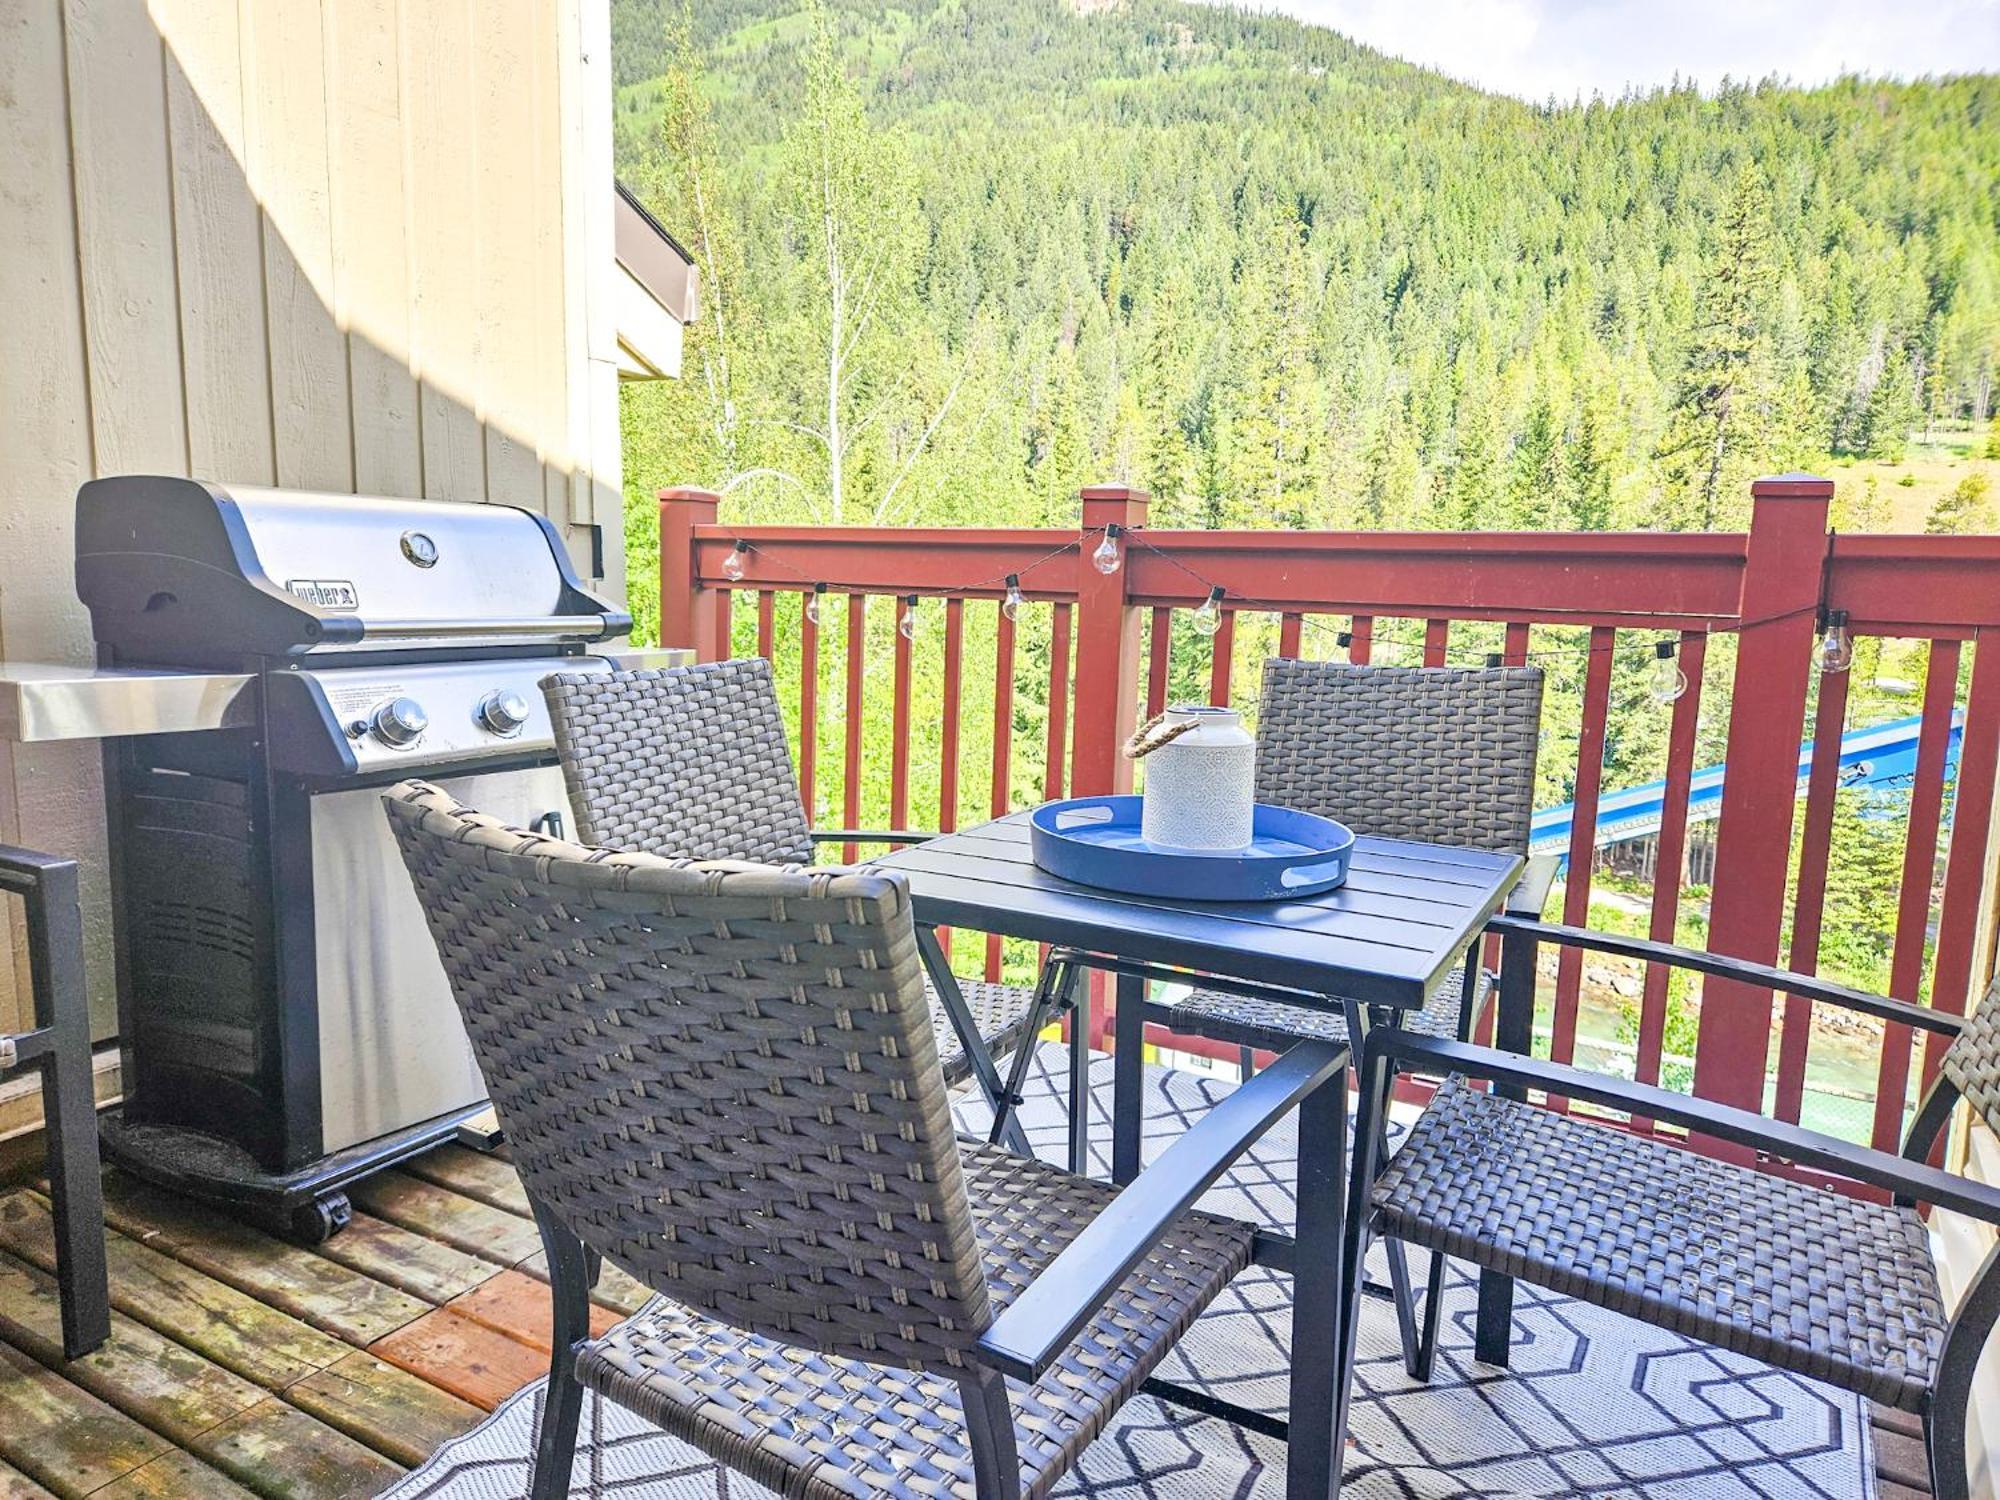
346	244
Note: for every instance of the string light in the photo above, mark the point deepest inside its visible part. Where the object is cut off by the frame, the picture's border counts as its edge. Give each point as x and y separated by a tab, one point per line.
1836	646
1668	680
1106	558
1208	618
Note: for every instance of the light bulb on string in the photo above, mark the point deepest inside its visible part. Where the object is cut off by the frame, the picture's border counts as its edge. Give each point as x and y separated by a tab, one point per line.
1011	605
1208	618
1668	681
907	625
812	603
1836	646
732	565
1106	558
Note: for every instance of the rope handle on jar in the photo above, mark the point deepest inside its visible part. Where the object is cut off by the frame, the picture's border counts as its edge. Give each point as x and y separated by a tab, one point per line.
1148	737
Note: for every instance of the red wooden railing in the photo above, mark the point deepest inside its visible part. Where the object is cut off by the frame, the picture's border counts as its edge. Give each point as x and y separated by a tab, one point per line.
1088	650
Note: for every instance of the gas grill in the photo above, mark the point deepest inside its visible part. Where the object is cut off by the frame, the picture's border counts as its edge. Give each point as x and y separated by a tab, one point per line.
285	1021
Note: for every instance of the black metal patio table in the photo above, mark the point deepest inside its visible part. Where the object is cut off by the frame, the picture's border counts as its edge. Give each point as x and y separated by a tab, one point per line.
1407	913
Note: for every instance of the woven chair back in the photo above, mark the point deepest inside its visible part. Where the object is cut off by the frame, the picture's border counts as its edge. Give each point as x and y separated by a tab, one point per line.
1972	1062
686	762
1443	755
722	1077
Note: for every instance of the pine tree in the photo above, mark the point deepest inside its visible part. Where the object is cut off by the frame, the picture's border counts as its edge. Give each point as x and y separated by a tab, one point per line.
1720	406
1892	411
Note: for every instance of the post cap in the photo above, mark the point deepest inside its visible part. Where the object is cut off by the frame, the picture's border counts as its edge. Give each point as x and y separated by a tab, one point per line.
690	495
1793	486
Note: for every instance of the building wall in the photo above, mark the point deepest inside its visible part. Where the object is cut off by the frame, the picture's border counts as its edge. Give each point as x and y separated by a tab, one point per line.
345	245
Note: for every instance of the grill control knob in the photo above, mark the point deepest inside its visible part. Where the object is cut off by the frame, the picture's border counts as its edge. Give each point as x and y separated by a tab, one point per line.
503	711
400	722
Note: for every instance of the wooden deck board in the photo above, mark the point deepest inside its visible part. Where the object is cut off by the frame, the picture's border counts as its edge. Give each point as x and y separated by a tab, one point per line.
149	1377
615	1289
397	1413
61	1436
318	1291
473	1362
402	1258
477	1228
518	1305
478	1175
288	1455
171	1476
231	1328
14	1485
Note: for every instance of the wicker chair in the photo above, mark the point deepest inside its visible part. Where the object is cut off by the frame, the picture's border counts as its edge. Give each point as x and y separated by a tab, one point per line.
692	762
1801	1277
723	1078
1441	755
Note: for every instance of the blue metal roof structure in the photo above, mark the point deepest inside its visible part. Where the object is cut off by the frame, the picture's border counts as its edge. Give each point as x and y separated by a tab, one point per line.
1884	755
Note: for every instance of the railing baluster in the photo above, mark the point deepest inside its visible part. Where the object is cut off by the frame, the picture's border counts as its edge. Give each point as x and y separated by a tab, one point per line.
1957	965
857	642
1913	905
1670	851
724	646
1513	653
1583	836
1159	643
1053	779
954	668
808	706
766	621
1003	747
1809	904
1437	633
1360	639
1222	657
899	731
1290	624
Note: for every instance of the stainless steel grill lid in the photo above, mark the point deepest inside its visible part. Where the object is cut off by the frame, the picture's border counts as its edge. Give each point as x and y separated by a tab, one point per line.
179	571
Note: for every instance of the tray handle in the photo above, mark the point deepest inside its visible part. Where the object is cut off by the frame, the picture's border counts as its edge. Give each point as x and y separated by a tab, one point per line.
1083	815
1293	876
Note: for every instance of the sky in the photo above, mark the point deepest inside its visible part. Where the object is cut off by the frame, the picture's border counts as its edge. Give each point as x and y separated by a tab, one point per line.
1535	48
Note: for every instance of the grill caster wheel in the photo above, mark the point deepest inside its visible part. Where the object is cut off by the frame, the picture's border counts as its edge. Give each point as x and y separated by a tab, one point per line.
320	1220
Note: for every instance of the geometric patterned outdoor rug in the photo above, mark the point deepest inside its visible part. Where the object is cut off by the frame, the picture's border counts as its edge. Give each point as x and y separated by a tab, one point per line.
1593	1404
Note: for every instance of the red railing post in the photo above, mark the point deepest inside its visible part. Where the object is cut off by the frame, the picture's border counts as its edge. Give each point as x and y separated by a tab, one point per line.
687	611
1107	650
1753	839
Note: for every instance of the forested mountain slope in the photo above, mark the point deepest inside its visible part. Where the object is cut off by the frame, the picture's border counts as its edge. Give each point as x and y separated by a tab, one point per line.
961	258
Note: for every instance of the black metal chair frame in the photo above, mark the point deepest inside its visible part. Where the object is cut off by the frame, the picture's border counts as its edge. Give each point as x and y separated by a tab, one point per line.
57	1048
1507	1067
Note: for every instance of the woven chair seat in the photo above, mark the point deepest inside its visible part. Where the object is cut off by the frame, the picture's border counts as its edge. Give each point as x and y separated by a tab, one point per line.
814	1426
1799	1277
1273	1025
999	1011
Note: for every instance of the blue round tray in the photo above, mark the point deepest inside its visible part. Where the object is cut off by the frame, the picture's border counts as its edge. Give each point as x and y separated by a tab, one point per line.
1095	841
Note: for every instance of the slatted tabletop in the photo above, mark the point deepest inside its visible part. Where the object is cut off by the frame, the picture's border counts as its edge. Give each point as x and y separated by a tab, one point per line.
1403	918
